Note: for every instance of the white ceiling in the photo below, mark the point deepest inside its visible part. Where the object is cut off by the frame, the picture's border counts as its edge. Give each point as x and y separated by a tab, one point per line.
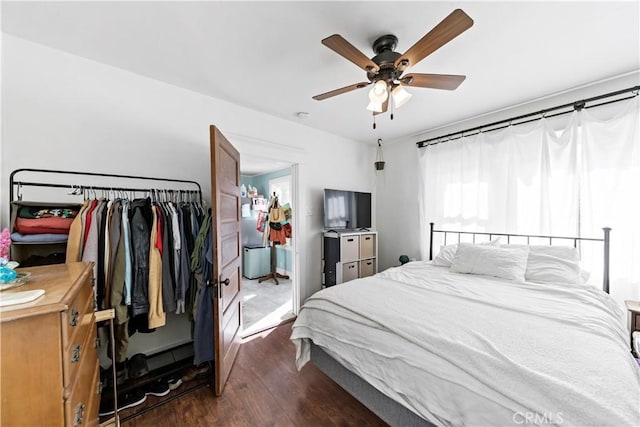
267	55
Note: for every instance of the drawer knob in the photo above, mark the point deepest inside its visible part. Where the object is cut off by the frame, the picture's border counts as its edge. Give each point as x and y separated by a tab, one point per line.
75	353
74	317
79	415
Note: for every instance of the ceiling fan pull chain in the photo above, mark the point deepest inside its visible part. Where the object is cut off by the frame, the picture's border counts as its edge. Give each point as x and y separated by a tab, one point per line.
374	121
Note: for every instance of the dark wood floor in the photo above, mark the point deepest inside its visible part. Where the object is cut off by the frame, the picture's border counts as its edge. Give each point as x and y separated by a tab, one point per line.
265	389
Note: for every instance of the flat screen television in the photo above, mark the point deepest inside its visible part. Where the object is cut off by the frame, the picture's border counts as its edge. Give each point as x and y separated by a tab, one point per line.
346	210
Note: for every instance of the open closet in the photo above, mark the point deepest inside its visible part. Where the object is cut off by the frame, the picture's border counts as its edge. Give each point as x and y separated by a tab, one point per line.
118	223
164	261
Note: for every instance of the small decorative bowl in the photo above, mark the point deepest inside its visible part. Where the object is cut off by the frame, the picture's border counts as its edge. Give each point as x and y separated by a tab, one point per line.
20	280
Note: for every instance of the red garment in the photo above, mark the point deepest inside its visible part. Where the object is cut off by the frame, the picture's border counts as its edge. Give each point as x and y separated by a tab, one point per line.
261	219
160	221
87	224
278	236
51	225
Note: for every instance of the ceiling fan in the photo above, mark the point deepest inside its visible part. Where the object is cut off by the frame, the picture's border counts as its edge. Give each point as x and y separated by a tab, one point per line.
385	69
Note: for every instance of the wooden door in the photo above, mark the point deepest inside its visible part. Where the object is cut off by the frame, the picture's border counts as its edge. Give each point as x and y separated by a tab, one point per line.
225	201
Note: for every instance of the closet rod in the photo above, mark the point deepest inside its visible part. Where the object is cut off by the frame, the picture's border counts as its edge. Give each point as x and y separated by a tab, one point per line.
13	182
99	187
576	105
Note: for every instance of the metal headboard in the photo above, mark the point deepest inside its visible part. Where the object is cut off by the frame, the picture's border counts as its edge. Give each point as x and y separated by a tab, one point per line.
604	239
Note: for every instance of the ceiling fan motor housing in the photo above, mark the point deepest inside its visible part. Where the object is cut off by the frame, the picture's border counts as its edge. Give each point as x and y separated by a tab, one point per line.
384	48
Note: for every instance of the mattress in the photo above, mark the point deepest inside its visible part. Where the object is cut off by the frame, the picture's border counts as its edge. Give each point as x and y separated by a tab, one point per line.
459	349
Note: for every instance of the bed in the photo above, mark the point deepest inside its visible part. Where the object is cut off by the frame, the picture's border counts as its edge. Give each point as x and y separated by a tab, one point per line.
426	344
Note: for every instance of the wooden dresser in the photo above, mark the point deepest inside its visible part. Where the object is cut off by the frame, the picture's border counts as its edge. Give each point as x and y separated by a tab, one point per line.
49	372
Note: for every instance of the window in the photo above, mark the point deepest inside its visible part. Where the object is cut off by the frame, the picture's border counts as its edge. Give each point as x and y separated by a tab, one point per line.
282	188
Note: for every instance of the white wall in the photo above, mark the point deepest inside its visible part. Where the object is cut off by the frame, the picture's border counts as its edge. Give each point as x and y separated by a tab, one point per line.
397	185
65	112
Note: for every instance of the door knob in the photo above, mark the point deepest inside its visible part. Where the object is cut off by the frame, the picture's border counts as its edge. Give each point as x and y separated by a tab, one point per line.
226	281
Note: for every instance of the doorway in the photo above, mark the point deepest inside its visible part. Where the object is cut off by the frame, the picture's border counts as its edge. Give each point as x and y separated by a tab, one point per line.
267	302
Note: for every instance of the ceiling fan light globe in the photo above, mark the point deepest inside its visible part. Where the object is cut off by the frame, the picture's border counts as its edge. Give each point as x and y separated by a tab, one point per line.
400	96
376	107
378	92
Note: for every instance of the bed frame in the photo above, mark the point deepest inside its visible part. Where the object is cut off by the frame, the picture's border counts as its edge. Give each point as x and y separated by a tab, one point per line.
390	411
575	240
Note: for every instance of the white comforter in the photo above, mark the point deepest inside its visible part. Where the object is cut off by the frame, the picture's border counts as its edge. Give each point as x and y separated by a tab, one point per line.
474	350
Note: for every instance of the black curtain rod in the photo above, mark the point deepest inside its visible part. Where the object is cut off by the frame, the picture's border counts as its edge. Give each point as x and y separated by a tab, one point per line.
576	105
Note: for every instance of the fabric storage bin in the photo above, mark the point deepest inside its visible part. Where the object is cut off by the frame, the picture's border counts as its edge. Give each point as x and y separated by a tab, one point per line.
349	271
367	267
350	248
367	245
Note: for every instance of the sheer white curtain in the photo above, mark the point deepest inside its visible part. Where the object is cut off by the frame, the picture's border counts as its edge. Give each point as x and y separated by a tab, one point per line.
568	175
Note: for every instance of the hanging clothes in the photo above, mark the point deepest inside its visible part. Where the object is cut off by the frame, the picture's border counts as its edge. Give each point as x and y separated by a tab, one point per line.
142	253
141	220
279	227
168	280
87	221
183	269
117	299
74	244
90	251
202	265
177	240
128	257
106	252
102	241
114	231
156	315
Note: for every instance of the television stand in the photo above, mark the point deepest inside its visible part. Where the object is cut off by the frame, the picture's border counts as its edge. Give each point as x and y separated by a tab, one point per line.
348	255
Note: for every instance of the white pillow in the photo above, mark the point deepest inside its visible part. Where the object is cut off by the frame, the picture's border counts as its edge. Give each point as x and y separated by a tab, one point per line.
494	261
447	253
552	264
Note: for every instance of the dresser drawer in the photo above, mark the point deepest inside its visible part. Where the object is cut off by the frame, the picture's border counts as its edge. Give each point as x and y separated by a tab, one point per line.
78	405
77	355
91	410
78	316
81	407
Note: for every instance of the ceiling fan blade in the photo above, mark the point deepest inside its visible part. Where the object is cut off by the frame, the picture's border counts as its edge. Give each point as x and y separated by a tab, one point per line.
341	90
449	28
433	81
342	47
